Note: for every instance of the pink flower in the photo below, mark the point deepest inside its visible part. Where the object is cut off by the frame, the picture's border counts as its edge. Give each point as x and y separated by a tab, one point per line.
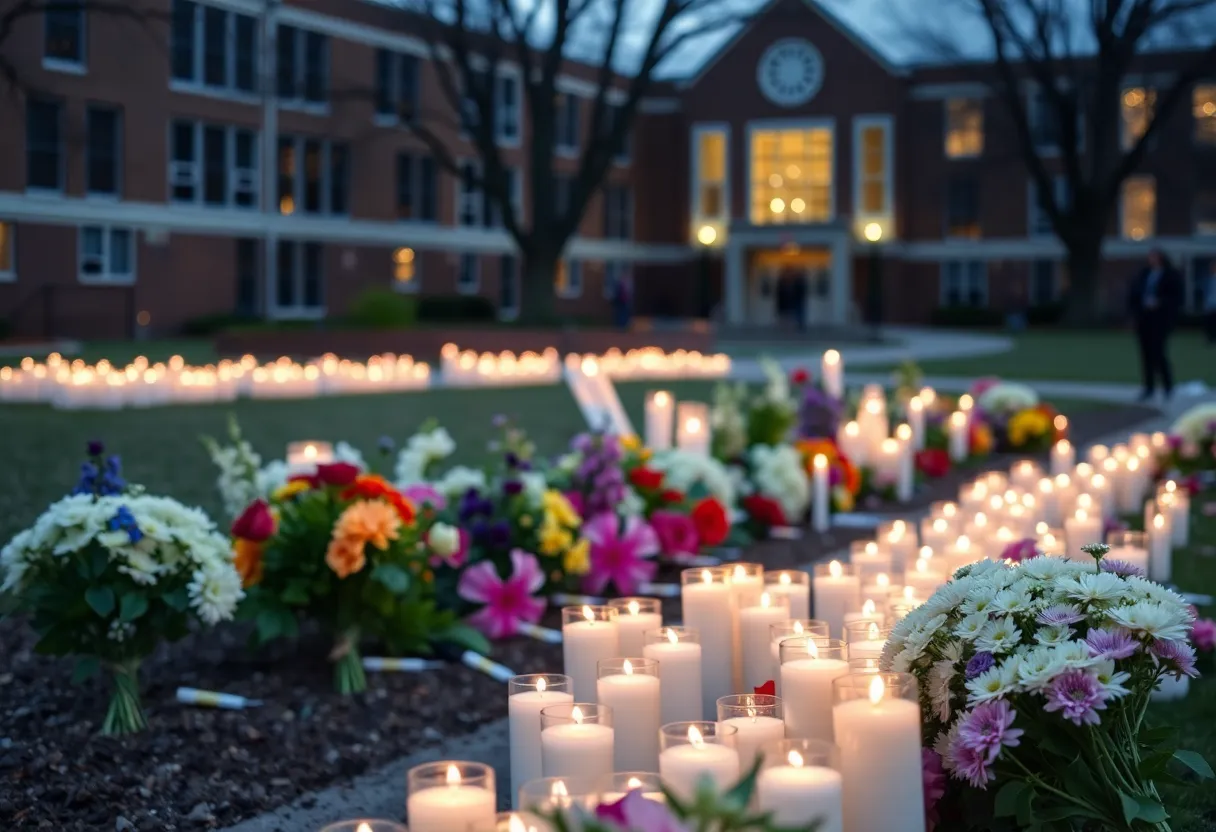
1203	634
508	602
982	384
1020	550
421	494
577	502
636	813
676	532
935	785
618	555
1077	696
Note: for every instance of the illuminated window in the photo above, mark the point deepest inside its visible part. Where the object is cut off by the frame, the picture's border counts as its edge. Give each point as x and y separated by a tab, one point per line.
1139	214
569	283
8	263
872	167
1137	112
711	192
1204	104
964	127
791	176
1205	213
404	269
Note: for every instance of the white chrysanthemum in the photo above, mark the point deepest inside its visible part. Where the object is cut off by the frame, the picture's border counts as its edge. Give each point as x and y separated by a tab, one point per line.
1045	568
1148	590
971	627
460	479
1152	619
779	473
271	478
346	452
979	599
1039	666
1194	425
948	597
13	563
683	470
986	570
999	636
409	468
944	745
1010	601
993	683
214	593
1112	681
940	677
1093	587
1052	635
1007	397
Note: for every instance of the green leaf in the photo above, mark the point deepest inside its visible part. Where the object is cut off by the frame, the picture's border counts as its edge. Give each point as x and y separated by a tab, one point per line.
1007	799
134	604
465	636
1195	762
1151	810
1131	807
269	625
100	560
1025	813
396	579
296	594
85	668
178	599
101	599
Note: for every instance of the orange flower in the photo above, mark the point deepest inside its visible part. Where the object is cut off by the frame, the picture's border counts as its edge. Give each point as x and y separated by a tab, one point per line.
374	486
811	448
850	475
365	522
248	560
345	556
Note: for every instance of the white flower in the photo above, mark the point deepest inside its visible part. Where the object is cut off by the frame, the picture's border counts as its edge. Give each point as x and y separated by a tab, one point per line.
971	627
270	479
683	470
1007	397
120	631
1111	681
993	683
939	688
214	593
1076	653
1152	591
460	479
1010	601
944	745
1045	568
631	504
1058	634
979	599
534	487
999	636
1093	587
444	539
778	473
1039	666
1152	619
1192	426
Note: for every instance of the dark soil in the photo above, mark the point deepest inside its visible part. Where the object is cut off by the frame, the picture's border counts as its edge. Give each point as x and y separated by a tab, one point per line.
196	768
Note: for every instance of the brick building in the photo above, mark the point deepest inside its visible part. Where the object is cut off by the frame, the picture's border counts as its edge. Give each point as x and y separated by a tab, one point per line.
244	156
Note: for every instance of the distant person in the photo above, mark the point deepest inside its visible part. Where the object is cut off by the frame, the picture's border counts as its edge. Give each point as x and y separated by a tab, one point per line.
1154	301
622	301
1209	303
798	301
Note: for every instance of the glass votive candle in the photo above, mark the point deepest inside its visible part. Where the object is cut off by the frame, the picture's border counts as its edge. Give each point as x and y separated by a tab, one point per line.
1050	542
620	783
521	822
759	720
630	688
996	481
451	795
1025	474
577	740
546	795
837	590
694	751
898	610
865	639
937	532
946	509
808	666
634	616
708	607
527	695
589	633
877	723
869	612
793	628
754	624
746	583
1129	547
677	650
878	588
1176	501
863	665
799	785
869	558
366	825
794	584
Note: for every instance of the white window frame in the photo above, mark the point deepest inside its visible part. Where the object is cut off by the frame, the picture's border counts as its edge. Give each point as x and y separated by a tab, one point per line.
698	219
1123	207
964	265
472	287
298	101
974	101
476	195
61	151
298	312
1034	212
504	117
615	271
1055	281
192	172
106	277
573	287
80	66
565	102
8	271
394	87
860	124
627	215
196	85
298	176
827	122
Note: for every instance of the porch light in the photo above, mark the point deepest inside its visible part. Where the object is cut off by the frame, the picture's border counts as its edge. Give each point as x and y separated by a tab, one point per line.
707	235
873	232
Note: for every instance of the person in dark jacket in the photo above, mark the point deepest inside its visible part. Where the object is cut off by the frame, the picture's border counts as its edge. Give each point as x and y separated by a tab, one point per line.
1154	301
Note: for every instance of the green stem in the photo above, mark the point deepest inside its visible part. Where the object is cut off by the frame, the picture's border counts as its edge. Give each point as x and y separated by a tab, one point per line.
348	665
125	714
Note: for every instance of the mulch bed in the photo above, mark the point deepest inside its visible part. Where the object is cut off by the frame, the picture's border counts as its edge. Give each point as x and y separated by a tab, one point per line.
196	768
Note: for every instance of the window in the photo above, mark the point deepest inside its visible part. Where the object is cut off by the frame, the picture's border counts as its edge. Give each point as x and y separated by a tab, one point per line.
248	285
508	287
791	176
64	37
1138	219
964	127
1205	210
468	279
214	164
8	250
43	144
396	87
103	151
563	190
616	273
1044	282
213	48
405	275
710	185
313	176
506	108
872	167
569	115
491	209
963	207
1203	103
106	255
415	187
469	201
299	285
964	283
1045	126
612	116
303	66
618	212
569	283
1136	109
1039	221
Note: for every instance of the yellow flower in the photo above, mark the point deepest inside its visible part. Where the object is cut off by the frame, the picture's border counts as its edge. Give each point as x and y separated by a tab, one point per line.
631	442
553	538
290	489
578	558
843	499
1027	425
559	507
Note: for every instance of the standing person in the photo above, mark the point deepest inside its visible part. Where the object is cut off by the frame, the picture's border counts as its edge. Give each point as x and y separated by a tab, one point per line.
622	298
1209	303
798	300
1153	303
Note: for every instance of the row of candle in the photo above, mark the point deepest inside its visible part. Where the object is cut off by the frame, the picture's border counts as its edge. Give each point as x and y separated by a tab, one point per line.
468	368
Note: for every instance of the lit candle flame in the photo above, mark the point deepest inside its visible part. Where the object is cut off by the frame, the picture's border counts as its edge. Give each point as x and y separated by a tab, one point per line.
661	398
310	451
453	776
883	579
740	574
588	613
515	824
812	649
634	607
926	552
367	827
909	593
707	577
767	601
795	759
965	402
576	713
558	789
1171	486
877	690
871	548
628	667
872	632
672	637
798	629
820	462
694	737
963	543
831	357
785	579
1081	515
541	685
835	569
922	566
869	608
1159	521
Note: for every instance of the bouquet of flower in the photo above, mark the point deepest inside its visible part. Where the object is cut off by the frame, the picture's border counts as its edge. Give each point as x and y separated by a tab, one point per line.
780	488
1004	397
1032	429
682	523
1034	680
774	412
109	572
1192	443
844	478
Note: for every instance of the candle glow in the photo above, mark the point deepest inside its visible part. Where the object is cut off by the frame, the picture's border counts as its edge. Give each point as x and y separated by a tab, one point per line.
835	569
878	690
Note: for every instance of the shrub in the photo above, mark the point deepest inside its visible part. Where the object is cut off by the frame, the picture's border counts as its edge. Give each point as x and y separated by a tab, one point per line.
456	309
204	325
383	309
1045	314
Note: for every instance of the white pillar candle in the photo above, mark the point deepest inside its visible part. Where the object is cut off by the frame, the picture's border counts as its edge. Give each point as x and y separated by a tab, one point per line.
758	720
869	613
868	560
1063	457
696	751
799	787
634	618
853	443
865	641
746	586
304	457
660	413
527	695
935	532
589	633
821	509
900	543
1049	503
796	628
577	741
707	603
977	530
692	428
879	591
958	436
872	417
960	554
808	667
1178	503
1130	547
837	591
1080	530
887	462
973	497
795	586
1134	483
831	368
754	640
1100	489
678	652
1160	549
907	470
451	795
1025	474
631	688
916	421
878	732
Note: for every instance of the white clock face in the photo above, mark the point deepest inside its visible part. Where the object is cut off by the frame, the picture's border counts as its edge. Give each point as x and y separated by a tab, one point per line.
790	72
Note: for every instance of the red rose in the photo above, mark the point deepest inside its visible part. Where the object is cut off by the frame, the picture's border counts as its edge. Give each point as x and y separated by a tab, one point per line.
933	462
256	522
645	478
769	688
671	495
337	473
711	521
800	376
764	510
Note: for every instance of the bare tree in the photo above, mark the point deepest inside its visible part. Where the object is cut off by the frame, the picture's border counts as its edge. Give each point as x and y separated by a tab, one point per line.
622	44
1077	56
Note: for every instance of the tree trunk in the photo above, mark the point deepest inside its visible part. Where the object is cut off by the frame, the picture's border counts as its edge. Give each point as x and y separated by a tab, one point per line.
538	285
1083	260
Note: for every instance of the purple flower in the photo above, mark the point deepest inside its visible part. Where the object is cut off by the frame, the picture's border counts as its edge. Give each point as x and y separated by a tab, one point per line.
971	764
422	494
1203	634
386	445
1122	568
124	520
96	448
1111	644
512	487
934	781
1020	550
1078	696
1060	614
472	505
818	413
987	729
512	460
980	663
1177	657
500	420
500	533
